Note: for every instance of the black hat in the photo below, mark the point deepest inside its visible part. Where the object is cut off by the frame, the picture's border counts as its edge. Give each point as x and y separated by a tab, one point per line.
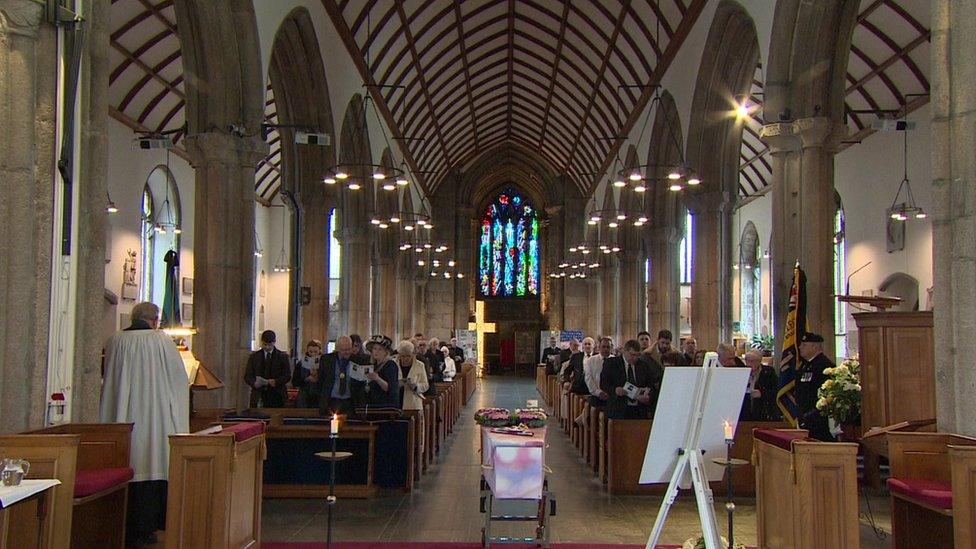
811	337
380	340
268	336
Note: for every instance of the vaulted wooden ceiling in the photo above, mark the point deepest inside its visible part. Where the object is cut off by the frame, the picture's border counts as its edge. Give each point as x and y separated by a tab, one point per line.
539	74
559	77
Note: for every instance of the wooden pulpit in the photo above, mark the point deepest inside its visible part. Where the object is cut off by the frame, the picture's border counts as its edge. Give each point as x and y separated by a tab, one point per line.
896	351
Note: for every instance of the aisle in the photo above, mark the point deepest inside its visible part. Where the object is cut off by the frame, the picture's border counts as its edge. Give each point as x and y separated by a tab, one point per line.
444	504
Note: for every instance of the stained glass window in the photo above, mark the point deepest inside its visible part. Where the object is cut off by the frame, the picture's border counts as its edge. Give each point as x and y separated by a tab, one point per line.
509	247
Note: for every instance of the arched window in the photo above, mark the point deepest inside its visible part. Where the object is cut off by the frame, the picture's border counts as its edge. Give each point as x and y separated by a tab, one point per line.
509	247
335	268
161	230
840	274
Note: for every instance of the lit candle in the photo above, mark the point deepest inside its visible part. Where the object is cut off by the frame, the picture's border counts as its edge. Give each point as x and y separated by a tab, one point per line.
728	429
335	424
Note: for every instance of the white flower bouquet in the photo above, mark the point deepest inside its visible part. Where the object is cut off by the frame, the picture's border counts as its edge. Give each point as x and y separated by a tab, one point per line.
839	398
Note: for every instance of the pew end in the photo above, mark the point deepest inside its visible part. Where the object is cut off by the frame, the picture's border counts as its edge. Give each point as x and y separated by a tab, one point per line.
215	487
922	490
962	461
806	491
50	456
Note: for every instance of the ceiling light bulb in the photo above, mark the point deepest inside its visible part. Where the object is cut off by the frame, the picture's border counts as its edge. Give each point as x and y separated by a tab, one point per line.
329	180
616	249
748	266
374	221
595	218
634	175
177	230
584	252
389	187
460	275
619	183
920	215
612	224
258	253
341	175
674	174
450	263
418	249
402	181
642	219
111	207
408	227
394	219
674	188
742	110
591	222
429	226
640	188
621	217
354	186
433	273
427	245
421	262
606	251
638	223
384	225
447	275
594	265
379	176
694	181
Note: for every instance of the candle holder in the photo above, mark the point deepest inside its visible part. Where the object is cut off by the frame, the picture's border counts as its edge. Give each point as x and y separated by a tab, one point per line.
730	463
332	456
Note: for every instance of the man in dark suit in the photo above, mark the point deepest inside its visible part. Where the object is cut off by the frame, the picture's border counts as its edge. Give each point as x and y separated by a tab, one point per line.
636	370
809	377
267	373
759	403
550	355
456	352
337	392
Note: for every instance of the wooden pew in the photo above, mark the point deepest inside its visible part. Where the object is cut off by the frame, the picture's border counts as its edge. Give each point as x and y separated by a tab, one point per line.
50	456
806	491
215	487
962	460
922	496
540	381
595	444
602	452
626	445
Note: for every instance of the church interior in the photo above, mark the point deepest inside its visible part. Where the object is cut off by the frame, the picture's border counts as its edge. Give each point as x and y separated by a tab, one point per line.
514	179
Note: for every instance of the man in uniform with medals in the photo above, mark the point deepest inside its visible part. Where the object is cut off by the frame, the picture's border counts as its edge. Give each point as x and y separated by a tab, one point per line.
809	377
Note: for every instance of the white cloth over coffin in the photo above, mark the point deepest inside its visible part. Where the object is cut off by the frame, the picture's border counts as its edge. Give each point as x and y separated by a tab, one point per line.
145	384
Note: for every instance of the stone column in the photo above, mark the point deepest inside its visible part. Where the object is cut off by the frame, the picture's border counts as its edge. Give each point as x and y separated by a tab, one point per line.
609	305
631	286
354	285
663	295
405	296
803	218
711	285
555	252
89	248
592	320
315	243
954	220
223	257
384	271
28	65
465	253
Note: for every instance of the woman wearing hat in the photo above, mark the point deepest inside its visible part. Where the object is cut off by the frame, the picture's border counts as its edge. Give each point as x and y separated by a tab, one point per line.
383	388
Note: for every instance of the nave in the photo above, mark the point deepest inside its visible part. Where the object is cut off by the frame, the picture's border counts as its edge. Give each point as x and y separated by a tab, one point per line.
444	504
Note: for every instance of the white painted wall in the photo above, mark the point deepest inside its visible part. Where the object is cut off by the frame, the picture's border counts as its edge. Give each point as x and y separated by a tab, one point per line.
867	176
268	221
128	170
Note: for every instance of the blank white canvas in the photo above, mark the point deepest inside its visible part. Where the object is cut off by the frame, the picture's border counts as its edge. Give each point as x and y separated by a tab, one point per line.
673	417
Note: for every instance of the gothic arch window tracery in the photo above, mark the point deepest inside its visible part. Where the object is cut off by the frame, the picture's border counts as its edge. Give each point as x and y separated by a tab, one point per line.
508	247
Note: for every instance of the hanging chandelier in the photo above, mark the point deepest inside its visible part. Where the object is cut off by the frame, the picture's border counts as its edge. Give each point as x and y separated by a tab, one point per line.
904	207
165	220
282	264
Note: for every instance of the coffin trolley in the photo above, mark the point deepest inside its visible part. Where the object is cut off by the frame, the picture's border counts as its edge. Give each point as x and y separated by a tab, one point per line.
513	469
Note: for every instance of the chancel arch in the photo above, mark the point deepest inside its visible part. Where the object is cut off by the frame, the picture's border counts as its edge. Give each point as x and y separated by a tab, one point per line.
714	143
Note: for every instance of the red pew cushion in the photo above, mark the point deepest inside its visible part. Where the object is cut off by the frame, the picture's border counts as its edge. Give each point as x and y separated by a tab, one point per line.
244	430
93	481
930	492
779	438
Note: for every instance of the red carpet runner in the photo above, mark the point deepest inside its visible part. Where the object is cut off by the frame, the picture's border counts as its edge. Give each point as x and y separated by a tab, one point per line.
445	545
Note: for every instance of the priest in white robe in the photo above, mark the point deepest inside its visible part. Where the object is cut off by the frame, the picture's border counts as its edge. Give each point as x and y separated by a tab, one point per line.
146	384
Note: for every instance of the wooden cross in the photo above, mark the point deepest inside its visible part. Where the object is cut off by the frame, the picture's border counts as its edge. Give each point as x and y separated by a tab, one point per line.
481	327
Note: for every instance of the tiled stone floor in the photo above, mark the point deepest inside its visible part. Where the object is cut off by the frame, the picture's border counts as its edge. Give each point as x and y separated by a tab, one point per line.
444	504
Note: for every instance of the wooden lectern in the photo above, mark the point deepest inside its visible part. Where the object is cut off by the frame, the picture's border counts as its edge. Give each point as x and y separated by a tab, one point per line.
896	351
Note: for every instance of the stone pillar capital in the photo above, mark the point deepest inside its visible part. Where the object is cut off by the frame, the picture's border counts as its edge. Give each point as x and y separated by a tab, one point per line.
812	132
707	202
21	18
226	149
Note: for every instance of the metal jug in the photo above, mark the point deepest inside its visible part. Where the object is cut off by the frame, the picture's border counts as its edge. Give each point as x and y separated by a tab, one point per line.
14	471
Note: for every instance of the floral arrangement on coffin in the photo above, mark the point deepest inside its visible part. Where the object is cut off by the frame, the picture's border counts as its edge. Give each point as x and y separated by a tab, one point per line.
532	418
493	417
699	543
839	398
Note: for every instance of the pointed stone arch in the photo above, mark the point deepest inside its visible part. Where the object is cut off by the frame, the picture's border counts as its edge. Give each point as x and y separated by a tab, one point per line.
714	143
298	80
224	109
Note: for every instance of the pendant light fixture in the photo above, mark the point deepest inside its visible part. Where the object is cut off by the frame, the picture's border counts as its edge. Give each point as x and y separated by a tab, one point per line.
282	265
905	208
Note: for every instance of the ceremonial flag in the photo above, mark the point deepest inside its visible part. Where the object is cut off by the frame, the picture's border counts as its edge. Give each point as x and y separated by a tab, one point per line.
796	326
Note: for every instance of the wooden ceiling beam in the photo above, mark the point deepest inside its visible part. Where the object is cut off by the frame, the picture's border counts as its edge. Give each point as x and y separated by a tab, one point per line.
555	70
